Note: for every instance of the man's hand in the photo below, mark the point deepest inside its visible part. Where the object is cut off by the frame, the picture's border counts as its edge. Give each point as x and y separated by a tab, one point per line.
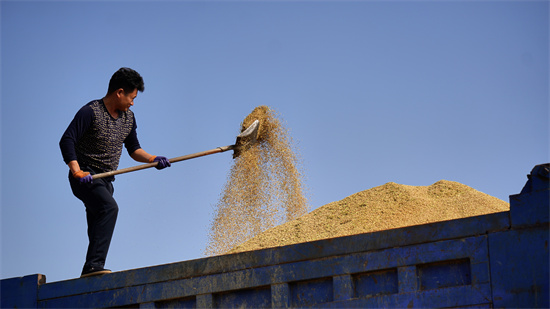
83	177
162	162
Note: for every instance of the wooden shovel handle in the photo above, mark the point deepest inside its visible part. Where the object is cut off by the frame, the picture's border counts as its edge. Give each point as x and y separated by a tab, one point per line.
173	160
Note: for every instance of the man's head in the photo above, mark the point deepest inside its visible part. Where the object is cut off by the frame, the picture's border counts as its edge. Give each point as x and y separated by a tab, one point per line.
123	88
126	79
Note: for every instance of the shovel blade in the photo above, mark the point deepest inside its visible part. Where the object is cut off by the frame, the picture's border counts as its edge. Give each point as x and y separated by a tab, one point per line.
246	139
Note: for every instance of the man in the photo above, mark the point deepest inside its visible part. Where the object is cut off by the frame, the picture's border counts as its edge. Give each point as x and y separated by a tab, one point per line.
92	144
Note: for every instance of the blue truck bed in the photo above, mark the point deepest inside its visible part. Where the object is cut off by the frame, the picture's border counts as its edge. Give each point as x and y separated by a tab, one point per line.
499	260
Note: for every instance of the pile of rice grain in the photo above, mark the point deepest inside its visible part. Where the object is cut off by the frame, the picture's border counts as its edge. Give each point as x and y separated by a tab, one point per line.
264	187
385	207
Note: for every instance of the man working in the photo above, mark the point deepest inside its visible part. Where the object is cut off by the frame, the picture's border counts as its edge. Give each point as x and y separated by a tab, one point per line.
92	144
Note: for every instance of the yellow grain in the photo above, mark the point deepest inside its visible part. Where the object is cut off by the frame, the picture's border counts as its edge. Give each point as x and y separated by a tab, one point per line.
264	187
381	208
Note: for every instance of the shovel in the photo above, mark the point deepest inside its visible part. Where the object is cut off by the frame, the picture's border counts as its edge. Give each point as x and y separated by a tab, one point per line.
244	140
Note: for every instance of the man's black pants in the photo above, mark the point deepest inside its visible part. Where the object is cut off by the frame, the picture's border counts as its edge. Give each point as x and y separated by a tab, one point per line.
101	214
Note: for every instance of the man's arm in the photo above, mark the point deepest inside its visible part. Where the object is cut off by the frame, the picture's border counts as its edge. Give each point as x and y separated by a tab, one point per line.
76	129
74	166
137	153
79	174
141	155
80	123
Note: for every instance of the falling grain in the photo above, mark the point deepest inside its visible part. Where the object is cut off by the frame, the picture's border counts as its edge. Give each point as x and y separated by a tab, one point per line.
264	187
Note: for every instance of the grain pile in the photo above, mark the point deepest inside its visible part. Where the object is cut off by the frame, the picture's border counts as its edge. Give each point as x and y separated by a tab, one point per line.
385	207
264	187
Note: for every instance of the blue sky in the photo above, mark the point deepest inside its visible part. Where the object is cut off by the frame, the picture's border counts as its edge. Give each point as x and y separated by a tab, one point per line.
410	92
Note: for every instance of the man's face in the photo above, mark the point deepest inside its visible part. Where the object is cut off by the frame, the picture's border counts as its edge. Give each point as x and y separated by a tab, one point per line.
126	99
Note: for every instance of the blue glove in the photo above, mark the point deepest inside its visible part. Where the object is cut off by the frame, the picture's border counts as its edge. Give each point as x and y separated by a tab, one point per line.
83	177
162	162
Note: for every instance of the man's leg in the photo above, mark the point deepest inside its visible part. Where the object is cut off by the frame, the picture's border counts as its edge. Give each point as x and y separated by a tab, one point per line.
101	215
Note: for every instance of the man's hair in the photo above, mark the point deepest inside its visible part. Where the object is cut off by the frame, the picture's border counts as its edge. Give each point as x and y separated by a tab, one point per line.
126	79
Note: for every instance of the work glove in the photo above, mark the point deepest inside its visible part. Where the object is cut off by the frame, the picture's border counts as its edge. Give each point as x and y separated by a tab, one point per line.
162	162
83	177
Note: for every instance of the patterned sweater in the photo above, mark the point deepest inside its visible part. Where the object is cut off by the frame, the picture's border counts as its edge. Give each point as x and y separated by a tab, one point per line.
94	138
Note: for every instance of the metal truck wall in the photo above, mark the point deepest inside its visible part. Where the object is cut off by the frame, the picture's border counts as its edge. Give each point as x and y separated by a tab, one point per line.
495	261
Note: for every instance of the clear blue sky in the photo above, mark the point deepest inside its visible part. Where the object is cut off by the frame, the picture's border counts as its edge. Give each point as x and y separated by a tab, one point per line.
372	92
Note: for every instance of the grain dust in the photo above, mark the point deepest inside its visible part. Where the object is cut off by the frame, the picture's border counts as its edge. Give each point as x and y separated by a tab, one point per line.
264	187
381	208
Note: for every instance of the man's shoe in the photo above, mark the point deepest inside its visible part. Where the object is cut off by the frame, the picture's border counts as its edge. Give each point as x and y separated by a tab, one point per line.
94	271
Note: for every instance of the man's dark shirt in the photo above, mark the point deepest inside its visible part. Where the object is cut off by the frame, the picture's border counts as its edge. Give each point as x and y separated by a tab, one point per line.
94	138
